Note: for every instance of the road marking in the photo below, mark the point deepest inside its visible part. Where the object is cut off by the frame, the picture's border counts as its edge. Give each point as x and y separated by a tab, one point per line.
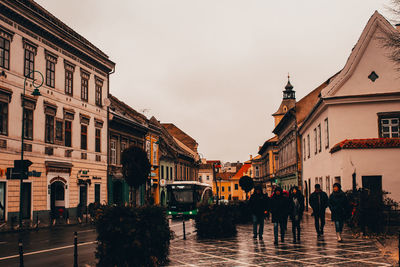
47	250
3	242
85	231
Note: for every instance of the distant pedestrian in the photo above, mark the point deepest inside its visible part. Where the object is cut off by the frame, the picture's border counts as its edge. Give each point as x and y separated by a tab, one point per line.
319	203
338	205
296	209
279	209
258	205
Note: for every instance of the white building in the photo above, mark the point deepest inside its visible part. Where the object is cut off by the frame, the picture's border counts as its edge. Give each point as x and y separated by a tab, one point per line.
353	131
65	128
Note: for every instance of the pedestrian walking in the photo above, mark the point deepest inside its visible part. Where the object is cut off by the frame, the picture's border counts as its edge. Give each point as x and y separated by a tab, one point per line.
319	203
338	205
258	205
296	209
279	210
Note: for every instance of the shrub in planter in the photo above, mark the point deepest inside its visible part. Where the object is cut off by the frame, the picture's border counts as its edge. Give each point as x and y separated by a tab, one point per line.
129	236
215	221
241	212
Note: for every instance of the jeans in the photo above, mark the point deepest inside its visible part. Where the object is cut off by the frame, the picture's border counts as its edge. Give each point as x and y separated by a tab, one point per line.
281	224
339	226
296	226
258	220
319	227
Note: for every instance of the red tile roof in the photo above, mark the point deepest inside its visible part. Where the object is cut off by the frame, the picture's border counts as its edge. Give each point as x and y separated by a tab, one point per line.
242	170
181	136
366	144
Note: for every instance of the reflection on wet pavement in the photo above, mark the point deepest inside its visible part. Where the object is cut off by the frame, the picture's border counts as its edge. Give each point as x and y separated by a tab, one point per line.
243	250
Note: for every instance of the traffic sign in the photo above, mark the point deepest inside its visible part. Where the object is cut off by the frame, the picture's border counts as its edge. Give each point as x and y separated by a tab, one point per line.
22	165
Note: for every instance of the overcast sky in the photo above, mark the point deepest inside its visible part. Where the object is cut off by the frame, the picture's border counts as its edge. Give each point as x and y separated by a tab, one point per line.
217	68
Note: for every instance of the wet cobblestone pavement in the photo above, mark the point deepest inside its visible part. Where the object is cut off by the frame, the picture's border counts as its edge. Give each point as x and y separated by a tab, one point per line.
243	250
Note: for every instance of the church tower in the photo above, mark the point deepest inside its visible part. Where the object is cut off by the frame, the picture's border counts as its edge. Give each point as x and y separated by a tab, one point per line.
288	102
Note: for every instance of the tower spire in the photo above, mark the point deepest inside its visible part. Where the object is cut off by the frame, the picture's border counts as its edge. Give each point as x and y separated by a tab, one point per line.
289	93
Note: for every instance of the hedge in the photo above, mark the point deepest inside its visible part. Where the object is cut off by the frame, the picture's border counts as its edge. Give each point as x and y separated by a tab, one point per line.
130	236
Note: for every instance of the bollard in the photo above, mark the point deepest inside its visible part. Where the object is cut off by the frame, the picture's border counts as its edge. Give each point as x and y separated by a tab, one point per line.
21	253
75	249
184	230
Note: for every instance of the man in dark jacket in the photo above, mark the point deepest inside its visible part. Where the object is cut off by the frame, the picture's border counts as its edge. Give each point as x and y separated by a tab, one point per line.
338	204
258	206
279	209
296	209
319	203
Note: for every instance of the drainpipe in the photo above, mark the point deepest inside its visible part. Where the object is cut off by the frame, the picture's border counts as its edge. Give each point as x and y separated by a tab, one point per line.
108	133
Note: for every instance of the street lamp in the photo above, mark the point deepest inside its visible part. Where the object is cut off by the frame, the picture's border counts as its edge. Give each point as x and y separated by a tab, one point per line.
23	172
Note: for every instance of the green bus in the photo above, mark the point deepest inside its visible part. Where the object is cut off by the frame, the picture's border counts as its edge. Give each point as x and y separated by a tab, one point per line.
183	197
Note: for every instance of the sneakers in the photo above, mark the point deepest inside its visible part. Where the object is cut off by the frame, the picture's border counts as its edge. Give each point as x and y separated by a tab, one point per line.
254	236
339	237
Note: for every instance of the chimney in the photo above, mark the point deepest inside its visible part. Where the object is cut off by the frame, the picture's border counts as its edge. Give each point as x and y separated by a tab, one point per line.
251	157
398	27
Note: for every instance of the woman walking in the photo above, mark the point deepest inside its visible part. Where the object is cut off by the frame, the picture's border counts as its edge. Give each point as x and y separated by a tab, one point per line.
338	205
279	210
296	209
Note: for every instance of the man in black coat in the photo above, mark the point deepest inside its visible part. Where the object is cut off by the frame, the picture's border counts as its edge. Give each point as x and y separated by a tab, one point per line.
280	211
319	203
296	209
339	206
258	205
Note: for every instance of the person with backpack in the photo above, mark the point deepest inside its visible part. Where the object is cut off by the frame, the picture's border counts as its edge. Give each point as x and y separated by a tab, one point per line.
279	210
319	203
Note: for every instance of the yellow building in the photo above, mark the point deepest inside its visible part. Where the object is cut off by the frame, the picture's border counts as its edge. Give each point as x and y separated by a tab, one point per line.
152	141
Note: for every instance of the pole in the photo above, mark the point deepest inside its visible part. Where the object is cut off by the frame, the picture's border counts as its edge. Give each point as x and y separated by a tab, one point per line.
184	230
75	249
21	253
23	174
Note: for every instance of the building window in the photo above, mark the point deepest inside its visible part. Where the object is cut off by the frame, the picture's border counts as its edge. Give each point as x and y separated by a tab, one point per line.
326	132
98	140
69	76
315	141
257	174
97	193
208	177
389	127
3	118
167	172
28	123
98	91
223	189
85	85
59	131
308	146
162	172
319	138
328	184
155	161
51	61
236	187
229	189
338	180
29	64
113	151
49	129
83	137
68	133
4	53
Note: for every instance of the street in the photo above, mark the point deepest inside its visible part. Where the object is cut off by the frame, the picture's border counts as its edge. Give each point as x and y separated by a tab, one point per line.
54	246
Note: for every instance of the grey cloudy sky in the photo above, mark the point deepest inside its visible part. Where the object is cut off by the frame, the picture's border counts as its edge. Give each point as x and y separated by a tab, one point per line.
217	68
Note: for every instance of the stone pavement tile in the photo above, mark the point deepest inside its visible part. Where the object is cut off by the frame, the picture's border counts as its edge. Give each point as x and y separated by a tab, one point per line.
326	260
357	264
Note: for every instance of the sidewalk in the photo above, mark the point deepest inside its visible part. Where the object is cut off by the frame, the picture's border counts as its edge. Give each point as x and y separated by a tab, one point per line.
243	250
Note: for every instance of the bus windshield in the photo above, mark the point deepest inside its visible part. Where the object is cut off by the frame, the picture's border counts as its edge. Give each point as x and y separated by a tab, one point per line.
182	196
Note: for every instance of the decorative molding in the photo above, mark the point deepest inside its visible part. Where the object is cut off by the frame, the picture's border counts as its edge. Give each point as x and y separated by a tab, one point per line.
99	81
69	114
29	45
50	108
69	66
6	33
85	74
29	101
98	123
5	94
84	119
50	56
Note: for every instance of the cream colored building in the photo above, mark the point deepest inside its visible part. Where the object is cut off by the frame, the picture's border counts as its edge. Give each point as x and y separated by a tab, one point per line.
66	127
352	134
